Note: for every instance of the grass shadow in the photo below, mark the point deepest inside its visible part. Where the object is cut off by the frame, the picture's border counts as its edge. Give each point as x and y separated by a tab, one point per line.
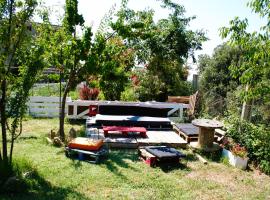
171	167
213	156
76	164
120	159
190	157
76	121
30	137
39	189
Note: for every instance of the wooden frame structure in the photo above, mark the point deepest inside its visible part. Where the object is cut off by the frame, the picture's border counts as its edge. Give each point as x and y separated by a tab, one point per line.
79	109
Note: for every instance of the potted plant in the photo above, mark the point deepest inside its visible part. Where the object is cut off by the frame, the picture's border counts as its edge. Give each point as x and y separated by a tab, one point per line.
236	154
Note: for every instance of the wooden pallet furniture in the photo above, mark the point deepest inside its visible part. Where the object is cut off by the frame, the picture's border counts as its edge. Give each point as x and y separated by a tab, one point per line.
190	133
187	131
190	100
147	157
154	155
206	134
88	156
124	130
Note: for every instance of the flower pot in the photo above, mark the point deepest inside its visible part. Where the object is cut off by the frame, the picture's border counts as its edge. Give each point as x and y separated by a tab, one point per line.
235	161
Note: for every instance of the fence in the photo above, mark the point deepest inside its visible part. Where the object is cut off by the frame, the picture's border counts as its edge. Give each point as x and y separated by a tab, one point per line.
79	109
39	106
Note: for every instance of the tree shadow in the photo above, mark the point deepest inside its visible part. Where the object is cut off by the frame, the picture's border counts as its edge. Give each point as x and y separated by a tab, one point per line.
213	156
165	167
190	157
38	188
30	137
76	164
120	159
76	121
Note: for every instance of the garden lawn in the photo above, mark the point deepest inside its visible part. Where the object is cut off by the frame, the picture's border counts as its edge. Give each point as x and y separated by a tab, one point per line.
123	176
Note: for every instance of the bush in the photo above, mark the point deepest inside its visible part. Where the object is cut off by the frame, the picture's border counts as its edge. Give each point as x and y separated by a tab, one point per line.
255	138
87	93
129	94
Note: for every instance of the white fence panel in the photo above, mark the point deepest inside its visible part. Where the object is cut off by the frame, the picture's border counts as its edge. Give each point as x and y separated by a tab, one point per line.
45	106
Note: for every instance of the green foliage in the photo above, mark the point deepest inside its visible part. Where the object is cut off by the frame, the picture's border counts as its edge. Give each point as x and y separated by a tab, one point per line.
262	7
216	84
129	94
22	58
72	18
150	87
52	78
254	69
69	51
162	47
254	137
114	63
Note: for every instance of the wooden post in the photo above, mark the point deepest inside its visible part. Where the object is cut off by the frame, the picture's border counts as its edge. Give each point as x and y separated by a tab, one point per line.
195	82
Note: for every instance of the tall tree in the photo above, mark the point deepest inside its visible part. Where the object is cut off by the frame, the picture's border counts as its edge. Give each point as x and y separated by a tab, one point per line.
254	71
163	46
215	80
70	52
115	64
21	60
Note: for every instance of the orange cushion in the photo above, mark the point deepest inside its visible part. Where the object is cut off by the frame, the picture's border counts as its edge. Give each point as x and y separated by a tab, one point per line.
85	144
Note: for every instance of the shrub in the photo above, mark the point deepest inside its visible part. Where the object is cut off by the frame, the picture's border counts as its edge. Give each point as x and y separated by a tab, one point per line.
129	94
87	93
235	148
255	138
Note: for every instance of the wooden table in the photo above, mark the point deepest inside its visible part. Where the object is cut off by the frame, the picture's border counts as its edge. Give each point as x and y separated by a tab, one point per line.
206	134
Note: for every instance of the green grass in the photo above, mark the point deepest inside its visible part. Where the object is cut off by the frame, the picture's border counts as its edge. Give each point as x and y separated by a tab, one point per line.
123	176
52	90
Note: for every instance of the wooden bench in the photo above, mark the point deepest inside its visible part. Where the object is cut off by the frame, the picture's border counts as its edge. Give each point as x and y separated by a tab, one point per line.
153	155
124	130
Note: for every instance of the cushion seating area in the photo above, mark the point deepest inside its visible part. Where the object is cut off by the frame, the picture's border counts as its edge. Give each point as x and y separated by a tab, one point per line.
130	120
85	144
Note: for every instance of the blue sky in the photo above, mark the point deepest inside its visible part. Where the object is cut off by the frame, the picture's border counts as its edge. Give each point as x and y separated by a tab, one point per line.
211	14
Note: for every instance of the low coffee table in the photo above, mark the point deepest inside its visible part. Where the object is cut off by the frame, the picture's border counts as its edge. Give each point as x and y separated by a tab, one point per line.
206	134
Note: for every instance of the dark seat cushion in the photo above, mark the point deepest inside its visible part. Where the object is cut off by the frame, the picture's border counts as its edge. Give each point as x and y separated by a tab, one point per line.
188	129
163	152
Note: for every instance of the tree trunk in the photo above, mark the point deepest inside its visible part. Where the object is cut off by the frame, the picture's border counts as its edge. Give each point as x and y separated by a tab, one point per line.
62	115
246	108
11	151
63	105
3	123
